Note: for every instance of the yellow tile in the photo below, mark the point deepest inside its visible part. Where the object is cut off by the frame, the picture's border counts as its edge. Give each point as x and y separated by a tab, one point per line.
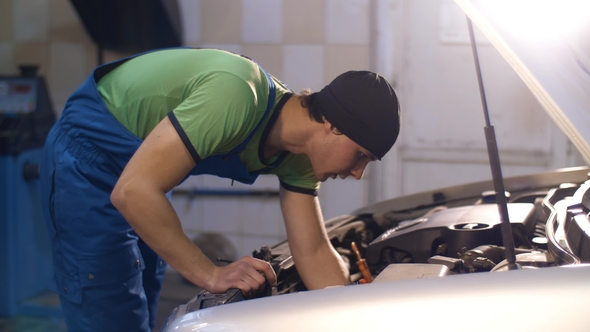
341	58
33	53
221	21
269	57
64	23
303	21
6	32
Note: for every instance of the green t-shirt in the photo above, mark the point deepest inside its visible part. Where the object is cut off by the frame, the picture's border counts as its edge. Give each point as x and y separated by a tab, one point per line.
216	97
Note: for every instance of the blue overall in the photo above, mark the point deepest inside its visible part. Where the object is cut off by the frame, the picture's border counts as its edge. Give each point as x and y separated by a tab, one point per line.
107	278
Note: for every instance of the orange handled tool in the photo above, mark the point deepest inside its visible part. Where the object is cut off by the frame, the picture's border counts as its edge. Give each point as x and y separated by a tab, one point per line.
362	264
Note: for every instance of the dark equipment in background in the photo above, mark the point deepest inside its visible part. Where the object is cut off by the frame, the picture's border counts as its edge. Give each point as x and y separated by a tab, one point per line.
26	115
26	269
131	26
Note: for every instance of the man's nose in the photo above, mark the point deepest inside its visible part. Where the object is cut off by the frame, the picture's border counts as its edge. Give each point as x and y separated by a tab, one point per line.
358	172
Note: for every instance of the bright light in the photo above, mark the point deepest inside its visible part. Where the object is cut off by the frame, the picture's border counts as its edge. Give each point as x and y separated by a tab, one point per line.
540	19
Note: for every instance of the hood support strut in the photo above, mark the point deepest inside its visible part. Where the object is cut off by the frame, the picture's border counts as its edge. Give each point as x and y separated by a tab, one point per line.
493	155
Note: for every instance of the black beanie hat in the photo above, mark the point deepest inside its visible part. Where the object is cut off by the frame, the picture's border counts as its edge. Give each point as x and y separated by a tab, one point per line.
363	106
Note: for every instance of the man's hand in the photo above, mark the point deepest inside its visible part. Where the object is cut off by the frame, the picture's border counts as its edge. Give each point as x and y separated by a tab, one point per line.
247	274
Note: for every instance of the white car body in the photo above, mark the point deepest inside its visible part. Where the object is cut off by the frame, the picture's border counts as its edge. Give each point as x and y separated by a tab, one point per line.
551	299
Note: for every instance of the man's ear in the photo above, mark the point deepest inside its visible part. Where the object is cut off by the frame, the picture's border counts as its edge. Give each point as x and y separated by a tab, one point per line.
330	127
335	131
327	125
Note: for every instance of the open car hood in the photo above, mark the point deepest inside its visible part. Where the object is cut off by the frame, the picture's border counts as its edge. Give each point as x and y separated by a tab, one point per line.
547	43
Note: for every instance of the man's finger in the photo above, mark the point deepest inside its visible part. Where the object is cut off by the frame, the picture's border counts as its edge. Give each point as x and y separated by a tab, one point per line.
265	268
244	288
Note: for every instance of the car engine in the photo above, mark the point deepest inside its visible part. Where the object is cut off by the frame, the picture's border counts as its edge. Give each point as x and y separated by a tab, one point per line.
446	232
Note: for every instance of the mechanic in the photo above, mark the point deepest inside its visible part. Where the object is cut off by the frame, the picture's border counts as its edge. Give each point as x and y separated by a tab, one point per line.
138	127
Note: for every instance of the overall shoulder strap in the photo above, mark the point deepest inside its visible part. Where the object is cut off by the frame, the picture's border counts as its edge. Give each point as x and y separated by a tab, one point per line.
270	103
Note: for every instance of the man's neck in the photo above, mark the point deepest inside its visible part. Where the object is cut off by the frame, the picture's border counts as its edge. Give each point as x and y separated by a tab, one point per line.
291	131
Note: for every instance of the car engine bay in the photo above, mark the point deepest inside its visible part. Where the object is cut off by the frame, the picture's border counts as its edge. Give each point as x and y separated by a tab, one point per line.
447	232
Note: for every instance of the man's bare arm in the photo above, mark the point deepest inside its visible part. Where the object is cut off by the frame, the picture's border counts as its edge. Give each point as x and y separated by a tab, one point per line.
159	164
318	264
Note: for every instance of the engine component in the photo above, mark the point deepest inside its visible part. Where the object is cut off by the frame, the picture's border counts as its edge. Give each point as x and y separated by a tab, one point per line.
578	225
536	259
568	226
453	230
362	265
411	271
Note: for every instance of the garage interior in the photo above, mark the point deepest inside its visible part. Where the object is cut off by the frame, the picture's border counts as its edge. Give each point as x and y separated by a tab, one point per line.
421	47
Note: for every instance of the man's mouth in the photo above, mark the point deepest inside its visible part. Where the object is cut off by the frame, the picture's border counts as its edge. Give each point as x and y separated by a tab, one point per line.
329	176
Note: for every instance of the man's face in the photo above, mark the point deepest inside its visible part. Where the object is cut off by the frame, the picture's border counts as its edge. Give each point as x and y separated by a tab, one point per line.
338	156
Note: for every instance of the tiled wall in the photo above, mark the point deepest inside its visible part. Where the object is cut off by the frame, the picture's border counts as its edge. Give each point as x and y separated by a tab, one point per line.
305	43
